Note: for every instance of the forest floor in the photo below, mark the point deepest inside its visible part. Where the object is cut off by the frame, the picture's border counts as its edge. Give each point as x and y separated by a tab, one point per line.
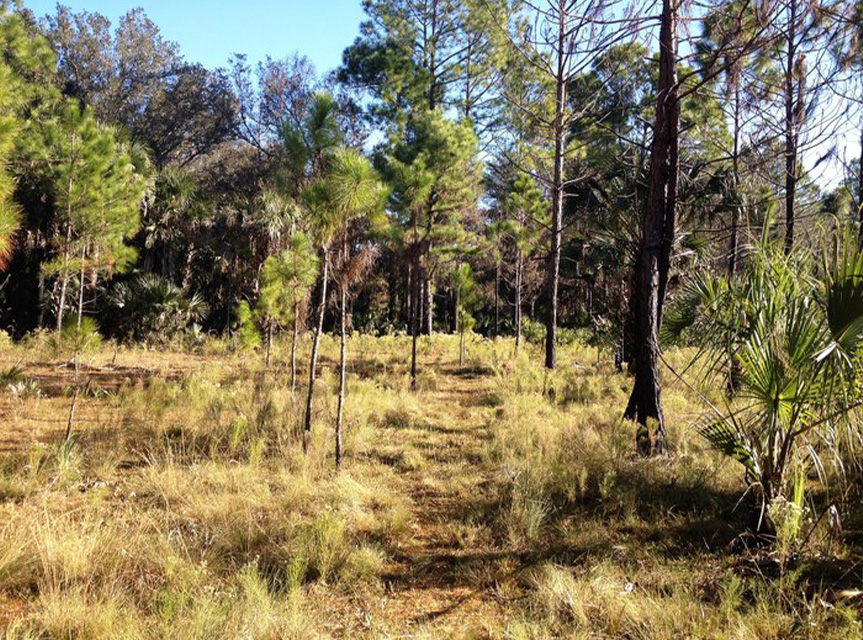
495	501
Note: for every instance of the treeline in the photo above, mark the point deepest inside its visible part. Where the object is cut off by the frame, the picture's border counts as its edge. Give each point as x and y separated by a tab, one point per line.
513	168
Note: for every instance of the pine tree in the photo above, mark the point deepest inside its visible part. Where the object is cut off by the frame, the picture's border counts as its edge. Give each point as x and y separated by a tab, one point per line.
9	212
286	281
526	219
97	194
464	286
348	190
435	179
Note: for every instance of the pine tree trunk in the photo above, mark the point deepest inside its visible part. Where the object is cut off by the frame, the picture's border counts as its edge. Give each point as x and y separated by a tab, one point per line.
457	293
313	360
391	296
269	340
81	275
294	352
409	296
71	419
790	131
415	318
860	187
497	298
518	275
188	267
342	368
556	190
64	282
41	294
645	403
65	277
737	203
429	306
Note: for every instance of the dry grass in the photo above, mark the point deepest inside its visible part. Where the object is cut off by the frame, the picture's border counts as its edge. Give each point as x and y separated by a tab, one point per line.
497	501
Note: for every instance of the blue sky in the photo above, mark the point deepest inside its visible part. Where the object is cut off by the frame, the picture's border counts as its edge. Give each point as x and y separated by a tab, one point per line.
210	31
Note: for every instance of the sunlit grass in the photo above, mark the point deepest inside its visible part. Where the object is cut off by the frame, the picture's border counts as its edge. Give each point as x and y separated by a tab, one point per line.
506	495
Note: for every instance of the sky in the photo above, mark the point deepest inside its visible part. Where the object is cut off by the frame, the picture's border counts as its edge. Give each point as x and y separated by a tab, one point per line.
211	31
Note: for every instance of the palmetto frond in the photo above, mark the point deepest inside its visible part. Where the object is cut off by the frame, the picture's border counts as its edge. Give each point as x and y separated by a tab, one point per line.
696	300
844	297
726	438
789	385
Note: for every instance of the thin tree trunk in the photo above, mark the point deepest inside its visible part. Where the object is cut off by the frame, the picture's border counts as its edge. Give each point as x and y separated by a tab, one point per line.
409	295
269	340
429	305
557	191
645	402
81	275
790	131
496	298
391	296
519	267
342	368
294	351
737	203
457	305
415	318
187	268
313	360
71	420
64	281
41	294
860	187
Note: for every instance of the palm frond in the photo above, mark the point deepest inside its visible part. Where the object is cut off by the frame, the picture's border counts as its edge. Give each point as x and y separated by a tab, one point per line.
727	439
844	296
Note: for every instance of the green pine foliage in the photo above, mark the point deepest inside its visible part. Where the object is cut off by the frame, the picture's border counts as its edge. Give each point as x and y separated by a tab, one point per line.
246	331
286	280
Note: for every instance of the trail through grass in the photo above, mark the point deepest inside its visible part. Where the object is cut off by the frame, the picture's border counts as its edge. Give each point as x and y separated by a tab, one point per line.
497	501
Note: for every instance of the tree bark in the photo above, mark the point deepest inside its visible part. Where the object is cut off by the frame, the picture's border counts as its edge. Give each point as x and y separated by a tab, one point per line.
556	190
496	298
737	203
429	305
790	131
313	360
294	352
64	279
188	268
342	365
415	316
81	276
519	267
645	402
860	187
409	295
269	340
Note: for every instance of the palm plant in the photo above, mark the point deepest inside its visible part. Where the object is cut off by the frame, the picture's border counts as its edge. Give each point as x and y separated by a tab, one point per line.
171	220
152	307
789	333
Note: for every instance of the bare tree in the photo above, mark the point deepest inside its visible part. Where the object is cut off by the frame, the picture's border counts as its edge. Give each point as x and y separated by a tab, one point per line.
551	45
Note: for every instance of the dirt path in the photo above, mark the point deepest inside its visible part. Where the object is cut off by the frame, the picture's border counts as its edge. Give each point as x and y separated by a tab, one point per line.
437	581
